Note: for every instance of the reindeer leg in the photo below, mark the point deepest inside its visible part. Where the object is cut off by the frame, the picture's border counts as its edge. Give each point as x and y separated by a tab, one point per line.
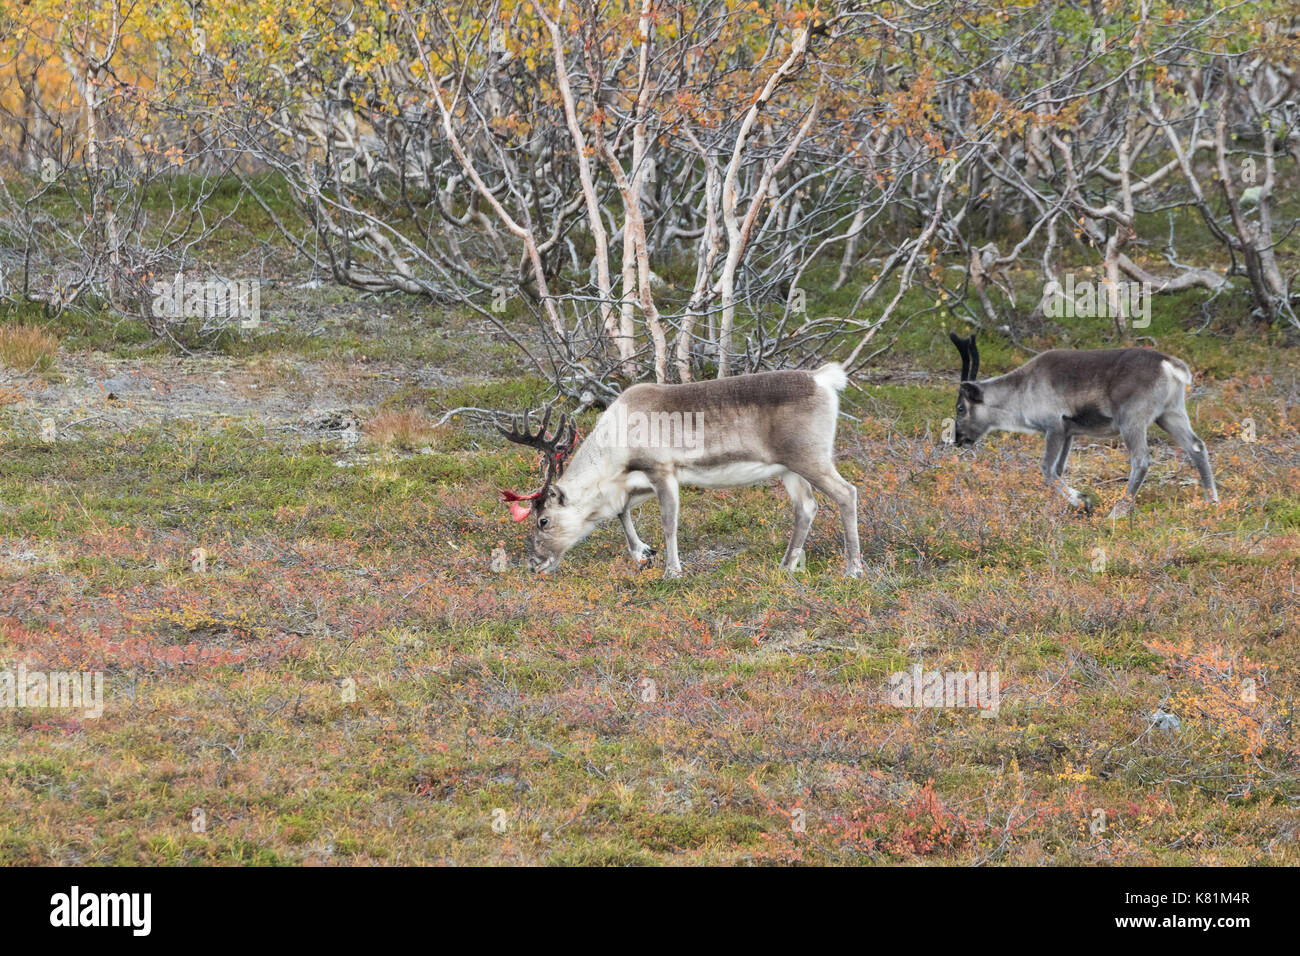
1139	460
1054	457
832	484
665	486
1180	430
1064	458
805	508
639	550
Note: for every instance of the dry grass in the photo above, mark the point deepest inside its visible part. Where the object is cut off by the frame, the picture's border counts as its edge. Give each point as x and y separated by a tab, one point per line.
27	348
405	428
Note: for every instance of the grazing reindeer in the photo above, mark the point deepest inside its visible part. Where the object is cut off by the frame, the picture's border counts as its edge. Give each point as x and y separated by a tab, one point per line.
1065	392
721	433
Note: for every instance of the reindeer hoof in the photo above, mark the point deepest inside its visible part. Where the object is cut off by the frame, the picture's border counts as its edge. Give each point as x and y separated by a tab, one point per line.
1083	501
1122	508
853	571
670	573
647	553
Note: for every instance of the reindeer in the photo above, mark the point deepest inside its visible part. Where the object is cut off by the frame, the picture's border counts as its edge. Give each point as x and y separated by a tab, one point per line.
721	433
1066	392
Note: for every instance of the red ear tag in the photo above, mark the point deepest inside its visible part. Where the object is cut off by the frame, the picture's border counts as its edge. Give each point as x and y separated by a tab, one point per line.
519	512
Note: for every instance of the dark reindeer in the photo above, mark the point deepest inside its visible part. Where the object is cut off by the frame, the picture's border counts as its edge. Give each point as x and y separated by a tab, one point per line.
1066	392
721	433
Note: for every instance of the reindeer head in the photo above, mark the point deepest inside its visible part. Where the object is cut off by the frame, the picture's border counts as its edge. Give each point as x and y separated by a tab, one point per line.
973	417
557	524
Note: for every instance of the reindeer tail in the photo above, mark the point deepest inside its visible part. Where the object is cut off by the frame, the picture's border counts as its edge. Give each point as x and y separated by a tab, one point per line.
832	376
1179	370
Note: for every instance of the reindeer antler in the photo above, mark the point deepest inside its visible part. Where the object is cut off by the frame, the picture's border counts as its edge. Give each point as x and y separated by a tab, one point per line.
555	449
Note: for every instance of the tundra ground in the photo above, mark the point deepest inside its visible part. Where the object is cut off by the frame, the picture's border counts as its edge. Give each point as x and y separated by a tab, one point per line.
347	680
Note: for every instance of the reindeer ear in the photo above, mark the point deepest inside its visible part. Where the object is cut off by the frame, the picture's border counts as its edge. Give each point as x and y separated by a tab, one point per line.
974	358
963	347
973	392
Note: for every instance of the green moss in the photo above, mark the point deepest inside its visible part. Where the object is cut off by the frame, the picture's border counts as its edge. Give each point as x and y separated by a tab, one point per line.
668	832
601	853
